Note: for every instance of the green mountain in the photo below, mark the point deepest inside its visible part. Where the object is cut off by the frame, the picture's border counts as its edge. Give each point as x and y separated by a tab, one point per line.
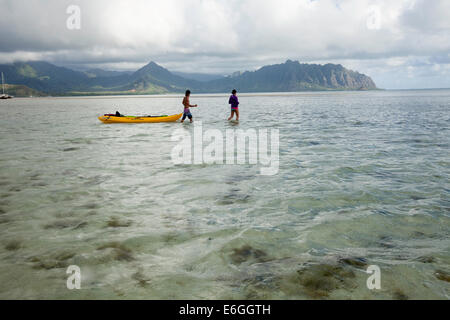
43	76
202	77
155	75
100	73
290	76
18	90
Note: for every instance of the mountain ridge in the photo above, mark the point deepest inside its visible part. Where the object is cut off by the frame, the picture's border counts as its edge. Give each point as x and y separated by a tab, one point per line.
152	78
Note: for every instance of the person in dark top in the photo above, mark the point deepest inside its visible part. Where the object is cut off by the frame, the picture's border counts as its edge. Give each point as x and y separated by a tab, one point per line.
234	101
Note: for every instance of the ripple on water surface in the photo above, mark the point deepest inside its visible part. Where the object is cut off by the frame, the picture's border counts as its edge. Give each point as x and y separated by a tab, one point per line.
363	180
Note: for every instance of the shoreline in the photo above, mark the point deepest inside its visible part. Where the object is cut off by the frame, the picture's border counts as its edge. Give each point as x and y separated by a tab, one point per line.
242	94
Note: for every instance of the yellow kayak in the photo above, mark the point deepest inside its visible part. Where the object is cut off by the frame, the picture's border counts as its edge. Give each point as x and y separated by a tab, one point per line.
130	119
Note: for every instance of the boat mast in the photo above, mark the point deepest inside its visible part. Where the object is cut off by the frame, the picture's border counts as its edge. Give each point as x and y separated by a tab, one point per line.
3	84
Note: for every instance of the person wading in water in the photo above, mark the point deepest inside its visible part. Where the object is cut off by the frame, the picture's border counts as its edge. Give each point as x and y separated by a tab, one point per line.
234	101
187	106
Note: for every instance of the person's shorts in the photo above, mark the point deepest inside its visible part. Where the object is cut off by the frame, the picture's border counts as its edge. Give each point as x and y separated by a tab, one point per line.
234	108
187	114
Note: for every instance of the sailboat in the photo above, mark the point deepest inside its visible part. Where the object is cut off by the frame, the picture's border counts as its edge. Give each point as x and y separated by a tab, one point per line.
4	96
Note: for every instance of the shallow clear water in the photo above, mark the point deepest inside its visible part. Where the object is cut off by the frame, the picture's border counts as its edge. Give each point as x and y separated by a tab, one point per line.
363	180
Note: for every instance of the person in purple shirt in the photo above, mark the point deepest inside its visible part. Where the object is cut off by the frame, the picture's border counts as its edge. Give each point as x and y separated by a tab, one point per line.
234	105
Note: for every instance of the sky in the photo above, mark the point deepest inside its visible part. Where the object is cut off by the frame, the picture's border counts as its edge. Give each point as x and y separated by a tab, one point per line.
401	44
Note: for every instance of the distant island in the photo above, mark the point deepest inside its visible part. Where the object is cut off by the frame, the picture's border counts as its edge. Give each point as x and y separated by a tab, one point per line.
39	78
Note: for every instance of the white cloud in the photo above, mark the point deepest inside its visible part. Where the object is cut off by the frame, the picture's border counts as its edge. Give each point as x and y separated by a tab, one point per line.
222	36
